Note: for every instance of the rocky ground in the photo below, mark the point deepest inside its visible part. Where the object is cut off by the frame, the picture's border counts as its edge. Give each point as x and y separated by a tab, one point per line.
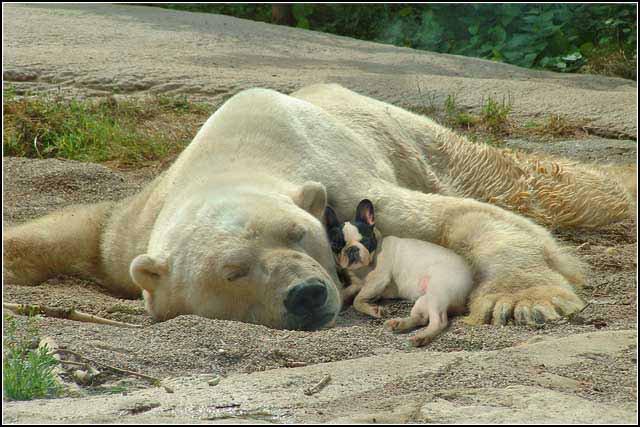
582	370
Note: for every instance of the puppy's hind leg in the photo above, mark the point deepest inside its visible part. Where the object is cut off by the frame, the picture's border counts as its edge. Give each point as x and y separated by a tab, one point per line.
437	322
419	317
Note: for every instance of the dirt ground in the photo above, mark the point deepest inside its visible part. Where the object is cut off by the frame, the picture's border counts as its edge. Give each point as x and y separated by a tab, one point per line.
191	345
213	57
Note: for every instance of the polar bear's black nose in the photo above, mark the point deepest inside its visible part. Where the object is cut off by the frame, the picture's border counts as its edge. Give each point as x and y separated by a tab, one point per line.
306	297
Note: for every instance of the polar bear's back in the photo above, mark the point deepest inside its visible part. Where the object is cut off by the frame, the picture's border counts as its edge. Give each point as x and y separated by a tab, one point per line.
263	130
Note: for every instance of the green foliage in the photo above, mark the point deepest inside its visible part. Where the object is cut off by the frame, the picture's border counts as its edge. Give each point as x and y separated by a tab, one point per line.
256	12
493	118
561	37
495	115
26	372
127	131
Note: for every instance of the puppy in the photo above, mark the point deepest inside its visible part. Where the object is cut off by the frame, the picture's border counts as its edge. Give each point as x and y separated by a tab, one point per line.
435	278
353	245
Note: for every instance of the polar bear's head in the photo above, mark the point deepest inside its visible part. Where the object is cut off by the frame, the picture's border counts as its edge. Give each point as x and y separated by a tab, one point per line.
242	254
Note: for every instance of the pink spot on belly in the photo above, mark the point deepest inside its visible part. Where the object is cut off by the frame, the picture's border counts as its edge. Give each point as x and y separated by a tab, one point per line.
423	284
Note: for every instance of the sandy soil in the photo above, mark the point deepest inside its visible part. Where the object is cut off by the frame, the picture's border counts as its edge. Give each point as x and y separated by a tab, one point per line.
125	49
193	345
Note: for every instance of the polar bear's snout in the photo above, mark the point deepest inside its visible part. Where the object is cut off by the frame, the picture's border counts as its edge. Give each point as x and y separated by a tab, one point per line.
308	305
306	297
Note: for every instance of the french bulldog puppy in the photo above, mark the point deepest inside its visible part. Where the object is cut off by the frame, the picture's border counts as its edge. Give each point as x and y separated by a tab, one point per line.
353	245
435	278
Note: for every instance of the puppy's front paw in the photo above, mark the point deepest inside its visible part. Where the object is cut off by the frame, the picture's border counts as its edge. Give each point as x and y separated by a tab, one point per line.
368	309
419	341
392	324
398	325
378	312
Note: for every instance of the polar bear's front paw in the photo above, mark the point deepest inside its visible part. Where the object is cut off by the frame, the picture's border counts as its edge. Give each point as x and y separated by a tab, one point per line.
532	306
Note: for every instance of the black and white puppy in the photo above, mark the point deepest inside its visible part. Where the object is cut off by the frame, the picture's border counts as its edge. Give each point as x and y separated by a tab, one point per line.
354	244
435	278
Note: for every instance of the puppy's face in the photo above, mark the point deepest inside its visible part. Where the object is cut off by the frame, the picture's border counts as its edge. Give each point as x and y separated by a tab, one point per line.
353	242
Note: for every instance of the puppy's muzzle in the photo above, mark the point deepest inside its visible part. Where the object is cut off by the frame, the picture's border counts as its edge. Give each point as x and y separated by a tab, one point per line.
353	255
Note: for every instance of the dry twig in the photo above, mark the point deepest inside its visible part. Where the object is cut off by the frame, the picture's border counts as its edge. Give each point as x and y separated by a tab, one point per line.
318	387
153	380
60	313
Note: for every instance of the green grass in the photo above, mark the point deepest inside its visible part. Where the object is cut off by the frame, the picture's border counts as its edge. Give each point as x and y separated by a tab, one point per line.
494	115
128	132
493	123
553	126
490	124
26	372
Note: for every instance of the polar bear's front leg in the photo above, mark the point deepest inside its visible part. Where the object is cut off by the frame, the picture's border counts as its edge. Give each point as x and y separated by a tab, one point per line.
520	272
63	242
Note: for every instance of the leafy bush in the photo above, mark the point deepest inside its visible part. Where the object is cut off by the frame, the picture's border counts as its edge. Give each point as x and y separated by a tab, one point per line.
559	37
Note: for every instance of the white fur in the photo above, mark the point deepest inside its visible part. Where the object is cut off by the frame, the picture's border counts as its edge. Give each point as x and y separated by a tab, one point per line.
435	278
262	166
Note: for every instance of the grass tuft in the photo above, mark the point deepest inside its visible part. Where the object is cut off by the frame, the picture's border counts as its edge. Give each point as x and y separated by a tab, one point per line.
127	132
494	116
554	126
27	373
493	124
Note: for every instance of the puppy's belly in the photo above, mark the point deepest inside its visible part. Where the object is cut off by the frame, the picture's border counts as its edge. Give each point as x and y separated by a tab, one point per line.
410	292
391	291
408	288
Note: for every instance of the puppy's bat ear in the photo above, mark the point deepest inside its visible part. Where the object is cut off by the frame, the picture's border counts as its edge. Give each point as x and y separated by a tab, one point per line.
330	218
364	212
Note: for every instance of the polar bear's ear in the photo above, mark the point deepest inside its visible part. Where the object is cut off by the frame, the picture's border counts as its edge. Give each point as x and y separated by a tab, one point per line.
312	197
146	272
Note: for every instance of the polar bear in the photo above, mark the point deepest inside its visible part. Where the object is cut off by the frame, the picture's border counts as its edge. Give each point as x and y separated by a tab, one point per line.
232	229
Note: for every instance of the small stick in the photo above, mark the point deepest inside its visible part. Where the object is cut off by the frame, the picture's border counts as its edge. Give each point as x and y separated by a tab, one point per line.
582	309
60	313
294	364
153	380
582	246
72	363
52	348
318	387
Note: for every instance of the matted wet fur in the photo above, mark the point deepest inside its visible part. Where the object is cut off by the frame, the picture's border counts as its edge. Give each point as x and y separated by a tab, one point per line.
231	230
